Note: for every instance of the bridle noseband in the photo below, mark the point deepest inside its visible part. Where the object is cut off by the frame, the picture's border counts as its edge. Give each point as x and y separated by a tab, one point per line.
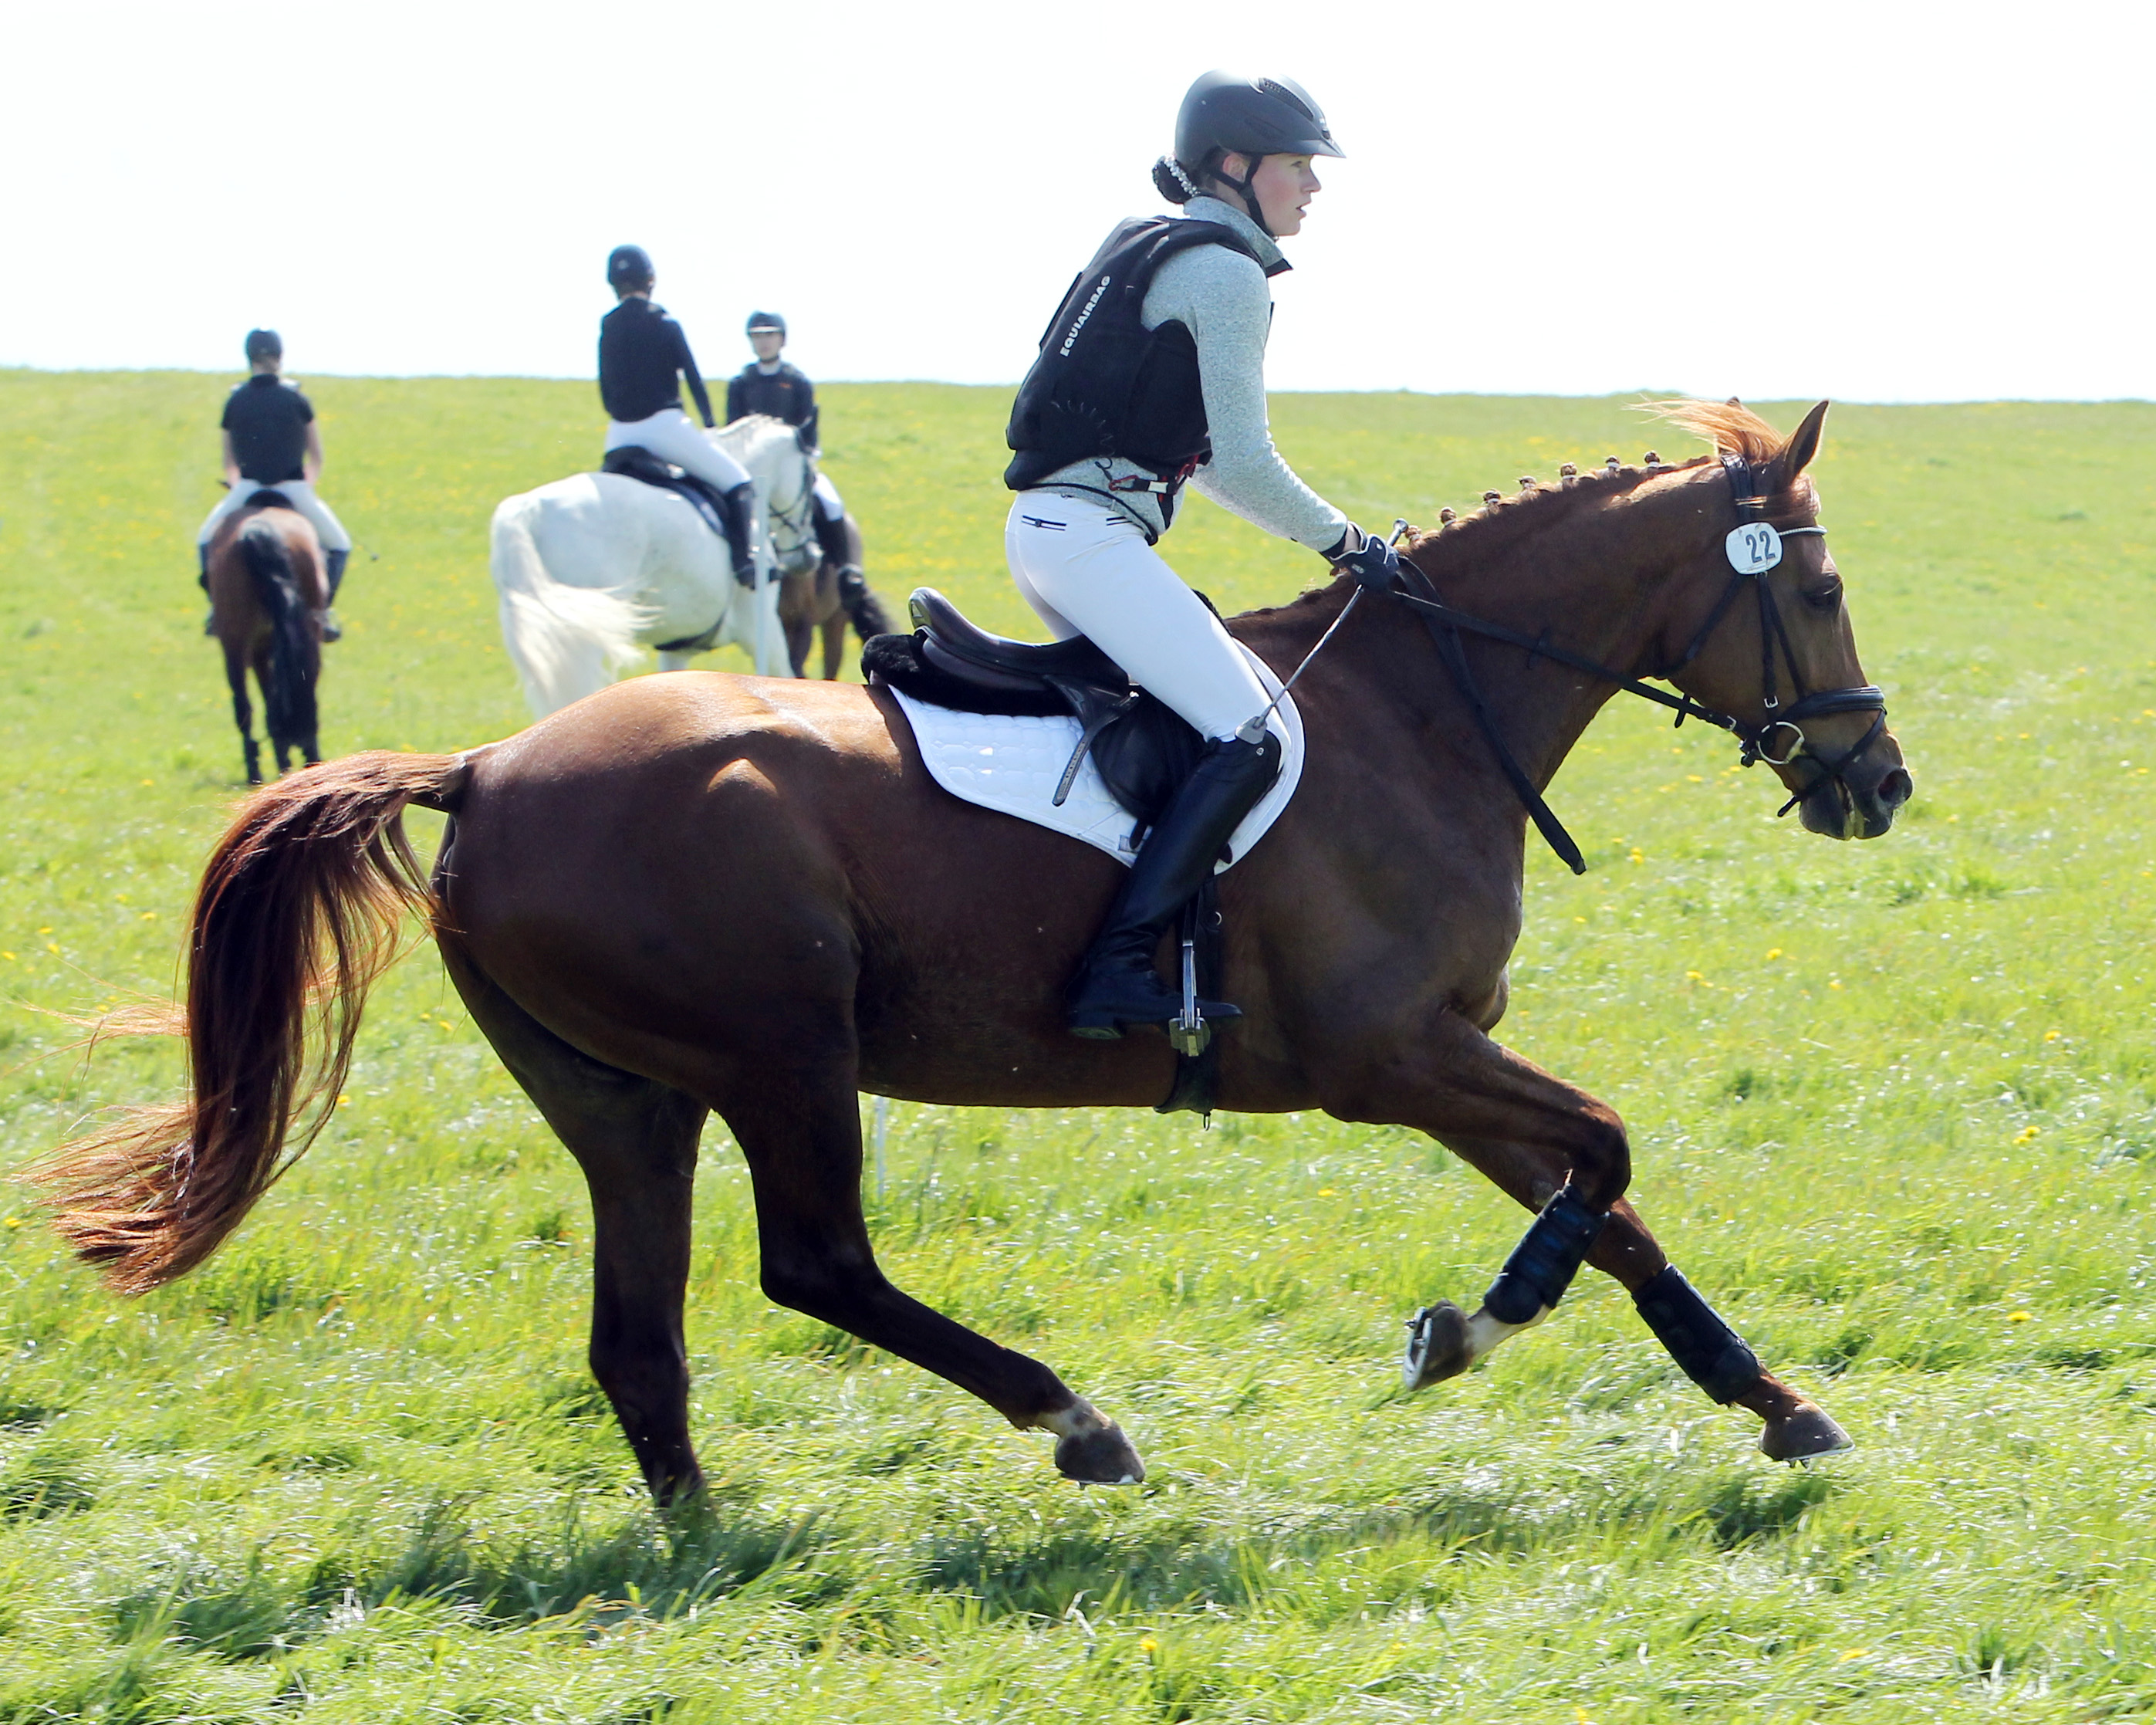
1782	729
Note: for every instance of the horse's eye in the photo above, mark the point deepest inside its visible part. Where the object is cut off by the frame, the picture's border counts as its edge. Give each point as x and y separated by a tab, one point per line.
1824	599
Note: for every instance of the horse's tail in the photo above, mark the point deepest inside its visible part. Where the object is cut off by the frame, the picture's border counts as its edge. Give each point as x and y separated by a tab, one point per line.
566	642
300	910
865	612
289	701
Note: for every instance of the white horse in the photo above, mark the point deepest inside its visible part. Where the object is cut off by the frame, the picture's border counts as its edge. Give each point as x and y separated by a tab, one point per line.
594	568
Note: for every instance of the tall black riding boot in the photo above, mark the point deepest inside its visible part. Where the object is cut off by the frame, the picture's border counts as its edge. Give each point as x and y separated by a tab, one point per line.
332	630
1117	984
202	557
739	518
831	538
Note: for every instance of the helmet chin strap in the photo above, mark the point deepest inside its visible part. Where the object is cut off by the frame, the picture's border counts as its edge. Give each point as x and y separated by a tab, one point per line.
1243	191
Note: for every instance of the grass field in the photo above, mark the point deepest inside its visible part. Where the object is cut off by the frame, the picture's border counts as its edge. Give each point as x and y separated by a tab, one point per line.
1893	1107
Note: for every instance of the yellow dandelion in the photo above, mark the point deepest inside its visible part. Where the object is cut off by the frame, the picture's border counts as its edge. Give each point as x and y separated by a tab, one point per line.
1148	1646
2017	1317
2027	1135
1325	1192
1773	953
2051	1036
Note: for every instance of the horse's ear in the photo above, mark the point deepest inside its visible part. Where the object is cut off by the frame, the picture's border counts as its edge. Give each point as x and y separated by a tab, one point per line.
1803	445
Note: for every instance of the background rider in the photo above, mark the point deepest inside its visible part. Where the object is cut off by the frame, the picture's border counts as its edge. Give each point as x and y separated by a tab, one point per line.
776	387
272	440
644	355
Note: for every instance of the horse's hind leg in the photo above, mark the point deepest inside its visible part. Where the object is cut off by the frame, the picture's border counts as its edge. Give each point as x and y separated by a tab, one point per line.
835	644
800	1130
243	712
636	1141
1533	1135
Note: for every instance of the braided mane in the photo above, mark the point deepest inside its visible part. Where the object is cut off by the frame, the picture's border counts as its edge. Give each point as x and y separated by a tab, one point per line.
1730	426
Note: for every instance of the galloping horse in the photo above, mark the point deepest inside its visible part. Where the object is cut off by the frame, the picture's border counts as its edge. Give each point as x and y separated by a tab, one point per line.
717	894
267	594
593	567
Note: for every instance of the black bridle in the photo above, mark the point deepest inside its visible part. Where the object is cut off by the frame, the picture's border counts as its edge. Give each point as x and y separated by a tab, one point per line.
1782	728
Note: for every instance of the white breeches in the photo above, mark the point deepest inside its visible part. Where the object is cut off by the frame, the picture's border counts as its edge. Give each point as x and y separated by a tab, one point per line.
299	494
1085	567
672	435
828	502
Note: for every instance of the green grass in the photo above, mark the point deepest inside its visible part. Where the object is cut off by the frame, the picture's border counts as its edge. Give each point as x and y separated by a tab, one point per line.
1894	1108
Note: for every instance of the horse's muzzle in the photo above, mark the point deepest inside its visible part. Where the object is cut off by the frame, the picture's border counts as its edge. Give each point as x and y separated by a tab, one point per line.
1862	804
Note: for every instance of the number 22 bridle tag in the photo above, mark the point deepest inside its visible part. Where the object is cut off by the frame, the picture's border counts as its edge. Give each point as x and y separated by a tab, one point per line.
1753	548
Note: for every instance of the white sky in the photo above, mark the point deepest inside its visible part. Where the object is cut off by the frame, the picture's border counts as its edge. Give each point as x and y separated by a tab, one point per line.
1879	202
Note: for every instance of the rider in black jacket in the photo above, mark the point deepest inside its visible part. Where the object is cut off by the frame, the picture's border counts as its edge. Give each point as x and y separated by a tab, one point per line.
771	385
643	359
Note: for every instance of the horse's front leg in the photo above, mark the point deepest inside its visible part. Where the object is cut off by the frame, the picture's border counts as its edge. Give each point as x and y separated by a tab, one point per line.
1558	1151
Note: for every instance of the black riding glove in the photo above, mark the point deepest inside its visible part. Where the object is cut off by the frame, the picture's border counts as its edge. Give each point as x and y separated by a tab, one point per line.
1373	563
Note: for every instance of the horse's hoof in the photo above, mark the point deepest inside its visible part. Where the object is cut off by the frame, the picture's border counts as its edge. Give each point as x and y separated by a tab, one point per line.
1805	1435
1437	1345
1100	1456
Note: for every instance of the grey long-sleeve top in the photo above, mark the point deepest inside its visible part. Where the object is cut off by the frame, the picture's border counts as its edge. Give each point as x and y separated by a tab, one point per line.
1221	297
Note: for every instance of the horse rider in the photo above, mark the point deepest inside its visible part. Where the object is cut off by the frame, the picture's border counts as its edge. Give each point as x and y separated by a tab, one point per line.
642	357
1152	376
273	443
771	385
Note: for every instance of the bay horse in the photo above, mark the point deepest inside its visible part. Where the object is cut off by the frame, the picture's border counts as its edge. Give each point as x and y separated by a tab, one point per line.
815	599
873	933
267	593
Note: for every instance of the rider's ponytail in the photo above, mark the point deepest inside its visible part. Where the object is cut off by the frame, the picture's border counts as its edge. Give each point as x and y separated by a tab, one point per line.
1171	181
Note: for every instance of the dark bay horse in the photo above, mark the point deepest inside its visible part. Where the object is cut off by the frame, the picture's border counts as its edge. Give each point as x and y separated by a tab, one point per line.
822	599
268	591
874	933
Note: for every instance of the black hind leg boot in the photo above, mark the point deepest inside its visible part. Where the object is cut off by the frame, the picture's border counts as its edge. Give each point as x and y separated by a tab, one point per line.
831	539
1117	984
739	518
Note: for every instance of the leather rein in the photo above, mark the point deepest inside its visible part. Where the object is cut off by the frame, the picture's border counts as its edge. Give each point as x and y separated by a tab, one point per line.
1781	729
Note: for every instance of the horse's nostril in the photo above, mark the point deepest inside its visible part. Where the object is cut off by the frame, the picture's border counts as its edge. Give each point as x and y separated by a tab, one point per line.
1897	789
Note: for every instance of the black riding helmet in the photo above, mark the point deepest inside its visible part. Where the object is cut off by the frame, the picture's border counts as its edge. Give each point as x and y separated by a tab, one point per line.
629	268
759	321
1251	117
264	344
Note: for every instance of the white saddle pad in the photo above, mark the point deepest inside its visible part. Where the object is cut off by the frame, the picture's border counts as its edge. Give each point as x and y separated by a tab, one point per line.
1013	764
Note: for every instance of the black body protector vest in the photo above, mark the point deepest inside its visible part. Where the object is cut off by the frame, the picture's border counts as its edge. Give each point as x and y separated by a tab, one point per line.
1105	385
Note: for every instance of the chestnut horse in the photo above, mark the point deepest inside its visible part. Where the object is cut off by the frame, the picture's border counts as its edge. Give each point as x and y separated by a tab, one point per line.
707	893
267	595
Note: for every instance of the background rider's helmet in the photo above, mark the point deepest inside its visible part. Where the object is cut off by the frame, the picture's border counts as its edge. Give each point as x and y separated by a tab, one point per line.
1224	112
264	344
760	321
629	268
